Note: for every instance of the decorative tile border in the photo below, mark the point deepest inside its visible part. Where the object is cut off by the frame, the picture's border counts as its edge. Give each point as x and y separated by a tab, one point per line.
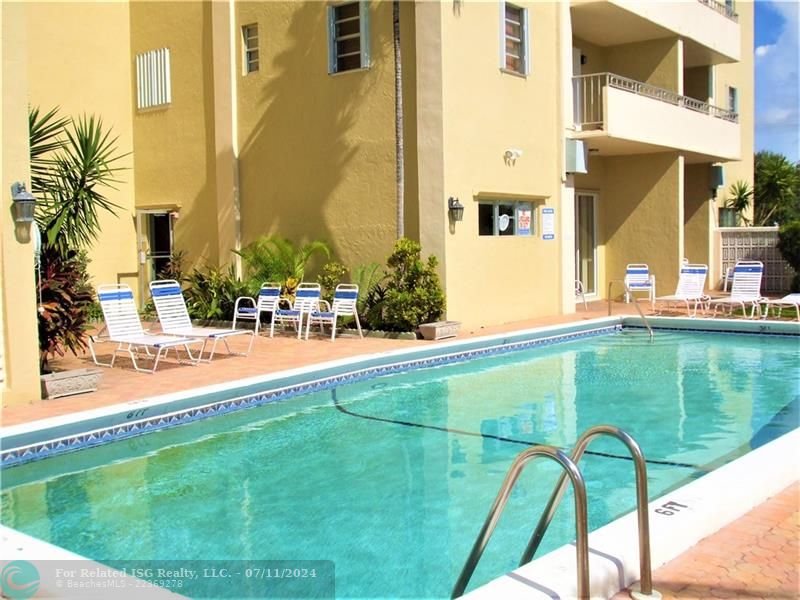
45	449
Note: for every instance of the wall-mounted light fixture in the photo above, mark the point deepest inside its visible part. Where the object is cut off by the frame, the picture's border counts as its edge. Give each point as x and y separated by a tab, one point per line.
455	209
716	179
24	203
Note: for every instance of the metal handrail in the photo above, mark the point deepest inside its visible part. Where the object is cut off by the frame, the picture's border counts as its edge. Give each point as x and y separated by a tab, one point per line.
588	89
723	9
640	466
581	525
635	303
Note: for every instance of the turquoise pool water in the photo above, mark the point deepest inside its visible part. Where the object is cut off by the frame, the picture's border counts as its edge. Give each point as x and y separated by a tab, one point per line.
392	477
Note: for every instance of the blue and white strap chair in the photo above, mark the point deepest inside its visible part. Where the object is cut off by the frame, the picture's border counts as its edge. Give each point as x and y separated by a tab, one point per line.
791	300
580	294
248	309
690	289
746	289
174	318
125	329
345	298
306	300
639	279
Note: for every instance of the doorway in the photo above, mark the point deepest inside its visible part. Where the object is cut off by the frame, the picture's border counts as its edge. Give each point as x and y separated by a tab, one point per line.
155	238
586	241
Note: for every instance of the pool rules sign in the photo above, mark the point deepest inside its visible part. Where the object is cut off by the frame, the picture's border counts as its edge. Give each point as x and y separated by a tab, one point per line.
548	223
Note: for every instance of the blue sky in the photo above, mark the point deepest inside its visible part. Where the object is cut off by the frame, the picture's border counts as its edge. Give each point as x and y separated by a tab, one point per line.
777	88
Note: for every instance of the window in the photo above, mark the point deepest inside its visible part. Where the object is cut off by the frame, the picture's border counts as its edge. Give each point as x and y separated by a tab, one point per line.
505	218
348	37
250	47
514	39
152	79
733	99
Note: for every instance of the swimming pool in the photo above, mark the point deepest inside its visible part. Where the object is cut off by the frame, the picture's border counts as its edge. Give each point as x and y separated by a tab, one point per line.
391	477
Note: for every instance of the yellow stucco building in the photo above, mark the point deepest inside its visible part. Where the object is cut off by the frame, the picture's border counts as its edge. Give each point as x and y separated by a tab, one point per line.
579	135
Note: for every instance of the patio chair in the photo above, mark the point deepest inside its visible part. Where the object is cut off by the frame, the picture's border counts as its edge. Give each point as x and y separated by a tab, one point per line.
345	298
579	293
174	318
745	289
691	283
639	279
247	308
125	330
779	303
306	299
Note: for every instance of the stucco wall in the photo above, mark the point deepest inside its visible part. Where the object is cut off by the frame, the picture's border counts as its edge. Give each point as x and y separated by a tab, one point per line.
485	112
19	338
654	62
318	150
698	214
79	60
643	216
175	147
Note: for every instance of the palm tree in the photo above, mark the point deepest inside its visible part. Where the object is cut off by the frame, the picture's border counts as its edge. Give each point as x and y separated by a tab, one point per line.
399	121
740	195
776	189
277	259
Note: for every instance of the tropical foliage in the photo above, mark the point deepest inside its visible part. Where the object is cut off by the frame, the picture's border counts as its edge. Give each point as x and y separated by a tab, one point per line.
273	258
332	275
413	293
789	246
212	292
65	304
740	195
776	192
73	165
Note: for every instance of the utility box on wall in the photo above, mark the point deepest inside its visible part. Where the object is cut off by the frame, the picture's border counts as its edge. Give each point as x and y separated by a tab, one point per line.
577	156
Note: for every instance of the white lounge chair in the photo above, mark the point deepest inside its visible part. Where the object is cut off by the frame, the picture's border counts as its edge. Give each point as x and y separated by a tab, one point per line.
174	318
306	299
246	308
746	289
639	279
345	298
779	303
690	289
125	330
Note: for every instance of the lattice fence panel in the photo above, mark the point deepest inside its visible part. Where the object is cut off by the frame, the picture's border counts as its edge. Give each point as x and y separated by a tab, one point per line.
756	243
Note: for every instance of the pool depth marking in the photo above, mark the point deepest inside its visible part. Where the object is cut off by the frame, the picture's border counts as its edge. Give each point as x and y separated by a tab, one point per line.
501	438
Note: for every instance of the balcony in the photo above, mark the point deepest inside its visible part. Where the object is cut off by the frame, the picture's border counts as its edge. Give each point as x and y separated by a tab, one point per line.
618	116
709	28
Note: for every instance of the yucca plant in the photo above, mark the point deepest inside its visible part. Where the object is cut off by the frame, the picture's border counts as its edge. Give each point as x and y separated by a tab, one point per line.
740	195
74	164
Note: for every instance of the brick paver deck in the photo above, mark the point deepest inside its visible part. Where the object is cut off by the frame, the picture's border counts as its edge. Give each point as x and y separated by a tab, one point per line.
756	556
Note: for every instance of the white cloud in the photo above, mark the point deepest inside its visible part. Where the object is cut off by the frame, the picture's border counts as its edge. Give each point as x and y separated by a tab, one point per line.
777	87
763	50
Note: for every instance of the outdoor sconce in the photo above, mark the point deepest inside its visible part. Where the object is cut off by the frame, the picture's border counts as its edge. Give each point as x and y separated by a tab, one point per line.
455	209
24	203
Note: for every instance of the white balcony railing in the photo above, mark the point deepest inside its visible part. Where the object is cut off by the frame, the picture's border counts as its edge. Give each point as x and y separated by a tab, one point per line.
723	8
587	93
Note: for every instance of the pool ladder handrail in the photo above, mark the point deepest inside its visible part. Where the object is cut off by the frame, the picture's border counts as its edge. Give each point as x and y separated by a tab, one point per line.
571	470
635	303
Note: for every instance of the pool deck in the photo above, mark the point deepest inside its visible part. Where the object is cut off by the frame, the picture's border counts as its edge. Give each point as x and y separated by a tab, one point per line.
756	556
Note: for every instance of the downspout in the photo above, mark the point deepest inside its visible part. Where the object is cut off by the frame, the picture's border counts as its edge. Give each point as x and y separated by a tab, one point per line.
237	201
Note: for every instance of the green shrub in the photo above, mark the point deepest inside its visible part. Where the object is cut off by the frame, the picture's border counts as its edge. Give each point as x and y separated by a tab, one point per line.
371	293
332	275
65	304
413	294
273	258
789	247
211	293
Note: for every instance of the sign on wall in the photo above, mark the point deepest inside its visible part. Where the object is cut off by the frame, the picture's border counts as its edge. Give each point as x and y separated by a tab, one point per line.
548	223
524	216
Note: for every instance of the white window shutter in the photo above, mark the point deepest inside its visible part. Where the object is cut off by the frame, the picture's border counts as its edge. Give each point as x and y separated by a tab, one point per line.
363	13
331	40
526	42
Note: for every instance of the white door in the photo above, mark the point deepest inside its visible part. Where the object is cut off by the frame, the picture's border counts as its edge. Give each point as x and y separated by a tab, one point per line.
586	241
